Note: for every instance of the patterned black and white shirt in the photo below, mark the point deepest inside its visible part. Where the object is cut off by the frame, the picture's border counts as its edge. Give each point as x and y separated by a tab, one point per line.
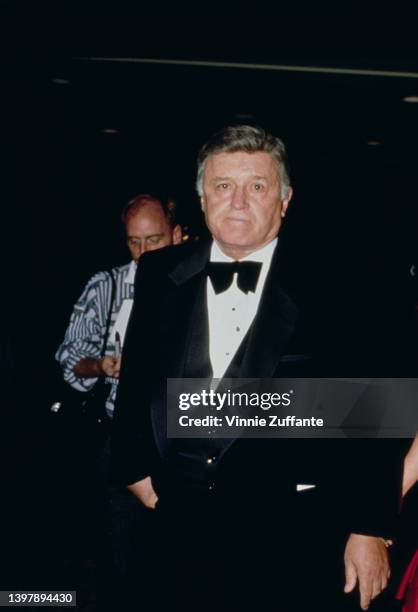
87	327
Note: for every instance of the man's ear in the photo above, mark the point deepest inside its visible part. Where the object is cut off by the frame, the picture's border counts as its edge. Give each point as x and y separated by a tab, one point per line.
285	202
202	202
177	234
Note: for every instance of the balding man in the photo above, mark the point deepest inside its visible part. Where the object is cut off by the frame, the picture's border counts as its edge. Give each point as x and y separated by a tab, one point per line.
149	225
91	351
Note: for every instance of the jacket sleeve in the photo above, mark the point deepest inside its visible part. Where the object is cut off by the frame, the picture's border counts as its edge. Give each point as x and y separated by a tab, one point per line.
133	452
373	480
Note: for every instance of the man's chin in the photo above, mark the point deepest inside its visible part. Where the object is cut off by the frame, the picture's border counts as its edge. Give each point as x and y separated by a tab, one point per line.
236	233
236	242
235	245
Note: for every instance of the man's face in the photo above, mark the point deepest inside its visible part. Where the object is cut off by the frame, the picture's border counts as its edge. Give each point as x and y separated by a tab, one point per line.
148	230
242	202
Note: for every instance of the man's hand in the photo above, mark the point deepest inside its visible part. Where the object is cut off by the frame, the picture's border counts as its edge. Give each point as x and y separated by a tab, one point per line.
366	561
144	491
88	367
110	366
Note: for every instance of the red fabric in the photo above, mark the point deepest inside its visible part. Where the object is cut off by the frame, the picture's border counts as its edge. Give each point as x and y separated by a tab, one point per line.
408	589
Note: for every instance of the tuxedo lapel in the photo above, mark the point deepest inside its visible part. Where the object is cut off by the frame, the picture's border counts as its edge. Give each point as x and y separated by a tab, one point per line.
270	332
185	324
267	339
197	359
193	265
183	335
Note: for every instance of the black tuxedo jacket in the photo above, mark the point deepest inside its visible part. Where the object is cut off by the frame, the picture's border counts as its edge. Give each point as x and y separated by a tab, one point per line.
167	337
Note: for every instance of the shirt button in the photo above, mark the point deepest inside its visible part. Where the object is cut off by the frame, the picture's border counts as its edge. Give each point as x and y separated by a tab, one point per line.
238	328
211	486
210	460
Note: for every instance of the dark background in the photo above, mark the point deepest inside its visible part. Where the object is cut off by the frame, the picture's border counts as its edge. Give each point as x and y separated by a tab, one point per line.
93	133
83	135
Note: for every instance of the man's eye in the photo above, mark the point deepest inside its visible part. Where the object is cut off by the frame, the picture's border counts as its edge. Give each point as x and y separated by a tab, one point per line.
154	239
223	186
258	186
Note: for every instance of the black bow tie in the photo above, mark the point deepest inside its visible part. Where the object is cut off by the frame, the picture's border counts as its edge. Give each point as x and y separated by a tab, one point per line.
222	273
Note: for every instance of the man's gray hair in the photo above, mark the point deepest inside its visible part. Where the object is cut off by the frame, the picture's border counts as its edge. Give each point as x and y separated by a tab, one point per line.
250	139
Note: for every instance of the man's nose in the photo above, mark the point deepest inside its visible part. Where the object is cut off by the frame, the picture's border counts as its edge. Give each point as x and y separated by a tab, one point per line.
142	248
238	198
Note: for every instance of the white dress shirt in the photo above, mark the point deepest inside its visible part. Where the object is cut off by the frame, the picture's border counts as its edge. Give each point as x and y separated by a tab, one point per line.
232	311
124	313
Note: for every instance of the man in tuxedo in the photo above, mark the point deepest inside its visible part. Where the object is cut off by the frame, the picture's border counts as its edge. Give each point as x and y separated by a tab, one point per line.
241	532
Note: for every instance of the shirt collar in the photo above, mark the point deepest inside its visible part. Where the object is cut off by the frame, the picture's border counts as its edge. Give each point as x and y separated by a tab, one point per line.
263	255
130	276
